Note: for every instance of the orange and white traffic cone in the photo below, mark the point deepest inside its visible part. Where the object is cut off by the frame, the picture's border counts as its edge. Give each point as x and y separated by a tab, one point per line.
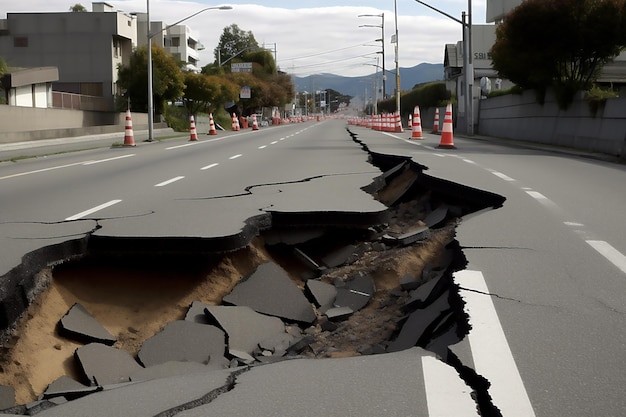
255	125
398	123
129	137
436	122
212	130
416	128
447	140
193	134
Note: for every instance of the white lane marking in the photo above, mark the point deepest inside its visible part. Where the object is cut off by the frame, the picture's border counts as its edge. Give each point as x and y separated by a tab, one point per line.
171	180
609	252
573	224
446	393
274	143
93	210
469	161
182	146
262	146
108	159
502	176
490	350
235	156
42	170
209	166
537	195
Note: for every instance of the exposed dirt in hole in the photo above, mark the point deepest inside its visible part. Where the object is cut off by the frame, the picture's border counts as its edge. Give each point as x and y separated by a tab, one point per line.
134	303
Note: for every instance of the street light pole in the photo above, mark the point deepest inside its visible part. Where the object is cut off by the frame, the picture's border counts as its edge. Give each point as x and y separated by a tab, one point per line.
382	40
150	35
395	6
468	69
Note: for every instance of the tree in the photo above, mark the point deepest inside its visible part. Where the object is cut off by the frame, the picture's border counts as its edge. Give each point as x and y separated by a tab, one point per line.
233	41
207	92
167	79
561	44
78	8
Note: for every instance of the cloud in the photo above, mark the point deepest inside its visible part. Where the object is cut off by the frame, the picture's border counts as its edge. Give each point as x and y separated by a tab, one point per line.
309	37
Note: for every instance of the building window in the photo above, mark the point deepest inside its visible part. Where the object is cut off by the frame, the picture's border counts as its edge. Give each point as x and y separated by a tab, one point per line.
175	41
117	49
20	42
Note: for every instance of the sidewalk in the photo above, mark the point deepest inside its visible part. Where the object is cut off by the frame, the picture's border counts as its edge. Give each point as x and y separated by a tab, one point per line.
46	146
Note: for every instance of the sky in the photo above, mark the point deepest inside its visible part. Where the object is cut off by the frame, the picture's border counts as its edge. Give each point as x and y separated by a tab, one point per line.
309	37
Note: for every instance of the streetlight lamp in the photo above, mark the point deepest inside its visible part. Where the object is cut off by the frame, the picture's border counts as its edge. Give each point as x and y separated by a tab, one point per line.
382	40
150	35
466	22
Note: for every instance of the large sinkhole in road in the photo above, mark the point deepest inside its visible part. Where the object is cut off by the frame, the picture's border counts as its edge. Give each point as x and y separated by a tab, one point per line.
359	291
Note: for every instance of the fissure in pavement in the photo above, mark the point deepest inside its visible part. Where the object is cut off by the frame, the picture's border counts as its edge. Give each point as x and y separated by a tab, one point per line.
390	284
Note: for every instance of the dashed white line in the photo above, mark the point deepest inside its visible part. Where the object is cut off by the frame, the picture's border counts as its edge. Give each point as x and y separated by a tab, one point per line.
490	350
537	195
469	161
446	393
108	159
262	146
610	253
171	180
235	156
92	210
502	176
209	166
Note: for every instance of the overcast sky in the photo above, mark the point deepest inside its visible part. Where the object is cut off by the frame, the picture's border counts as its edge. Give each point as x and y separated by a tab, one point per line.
309	37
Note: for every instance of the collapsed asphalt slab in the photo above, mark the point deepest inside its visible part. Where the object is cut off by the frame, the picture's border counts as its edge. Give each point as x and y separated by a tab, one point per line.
270	291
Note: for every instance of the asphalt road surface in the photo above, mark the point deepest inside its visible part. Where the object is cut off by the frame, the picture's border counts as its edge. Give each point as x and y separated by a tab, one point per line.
546	277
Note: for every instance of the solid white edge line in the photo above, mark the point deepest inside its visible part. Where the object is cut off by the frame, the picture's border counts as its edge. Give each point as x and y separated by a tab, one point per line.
491	352
108	159
93	210
41	170
610	253
171	180
446	393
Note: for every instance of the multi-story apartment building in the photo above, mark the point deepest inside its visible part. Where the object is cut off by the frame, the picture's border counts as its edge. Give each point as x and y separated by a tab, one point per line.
85	47
88	47
178	40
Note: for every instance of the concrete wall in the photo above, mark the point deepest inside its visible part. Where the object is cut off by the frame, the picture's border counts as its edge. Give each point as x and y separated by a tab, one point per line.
521	117
19	124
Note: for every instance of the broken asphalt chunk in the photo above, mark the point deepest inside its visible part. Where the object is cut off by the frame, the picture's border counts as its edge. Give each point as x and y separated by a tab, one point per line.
269	290
339	313
320	293
425	293
357	292
405	239
339	256
419	324
173	368
68	388
183	340
78	324
7	397
244	327
105	365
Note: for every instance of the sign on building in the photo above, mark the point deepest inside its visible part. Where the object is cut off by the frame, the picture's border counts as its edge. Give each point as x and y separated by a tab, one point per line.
241	67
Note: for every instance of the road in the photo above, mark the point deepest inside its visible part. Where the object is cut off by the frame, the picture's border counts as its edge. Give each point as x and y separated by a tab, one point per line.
546	273
553	258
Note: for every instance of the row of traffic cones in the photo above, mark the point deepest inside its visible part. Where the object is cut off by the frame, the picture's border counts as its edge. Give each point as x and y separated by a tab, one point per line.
380	122
129	137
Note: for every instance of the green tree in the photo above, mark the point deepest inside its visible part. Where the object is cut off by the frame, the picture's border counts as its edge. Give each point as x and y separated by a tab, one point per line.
167	79
233	41
78	8
561	44
207	92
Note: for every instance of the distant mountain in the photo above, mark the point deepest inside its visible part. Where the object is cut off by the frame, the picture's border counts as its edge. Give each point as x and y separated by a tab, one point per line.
357	86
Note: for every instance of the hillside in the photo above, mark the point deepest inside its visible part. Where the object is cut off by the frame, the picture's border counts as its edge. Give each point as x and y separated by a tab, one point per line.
356	86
